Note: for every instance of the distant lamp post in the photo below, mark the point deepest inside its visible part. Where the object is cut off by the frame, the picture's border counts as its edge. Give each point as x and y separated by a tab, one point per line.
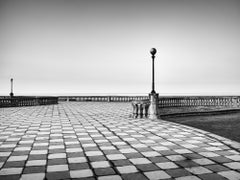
153	96
11	93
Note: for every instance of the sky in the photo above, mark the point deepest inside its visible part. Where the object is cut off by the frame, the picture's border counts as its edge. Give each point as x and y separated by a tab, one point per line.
75	47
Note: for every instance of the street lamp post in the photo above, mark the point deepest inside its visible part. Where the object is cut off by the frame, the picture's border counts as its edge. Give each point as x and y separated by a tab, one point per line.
153	51
153	96
11	93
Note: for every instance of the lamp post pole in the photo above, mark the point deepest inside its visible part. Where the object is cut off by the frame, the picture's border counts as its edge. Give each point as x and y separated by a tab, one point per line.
153	51
153	96
11	93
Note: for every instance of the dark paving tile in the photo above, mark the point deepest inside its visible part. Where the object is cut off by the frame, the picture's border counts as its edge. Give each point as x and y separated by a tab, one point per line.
158	159
10	177
122	162
147	167
178	172
77	166
186	163
34	169
97	158
211	177
57	161
14	164
104	171
216	168
58	175
134	176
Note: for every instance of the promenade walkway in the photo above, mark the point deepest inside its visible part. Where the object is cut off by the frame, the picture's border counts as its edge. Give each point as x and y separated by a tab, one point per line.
91	140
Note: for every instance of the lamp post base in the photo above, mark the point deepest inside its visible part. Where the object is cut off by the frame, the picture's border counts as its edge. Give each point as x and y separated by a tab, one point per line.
153	108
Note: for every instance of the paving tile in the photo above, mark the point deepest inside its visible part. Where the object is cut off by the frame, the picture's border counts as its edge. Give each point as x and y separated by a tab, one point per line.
188	178
176	157
198	170
115	156
203	161
140	161
36	163
104	171
134	176
57	155
211	177
100	164
58	175
167	165
147	167
35	176
77	160
34	169
233	165
127	169
17	158
54	168
10	171
81	173
111	177
155	175
178	172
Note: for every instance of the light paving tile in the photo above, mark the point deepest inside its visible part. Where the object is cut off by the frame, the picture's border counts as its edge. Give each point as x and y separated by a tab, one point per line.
72	150
188	178
10	171
150	154
5	154
198	170
209	154
182	151
203	161
234	157
231	175
233	165
22	149
35	152
35	176
94	153
81	173
127	169
56	168
36	163
128	150
56	147
100	164
176	157
107	147
160	148
139	145
77	160
213	149
167	165
17	158
137	161
155	175
57	155
111	177
116	156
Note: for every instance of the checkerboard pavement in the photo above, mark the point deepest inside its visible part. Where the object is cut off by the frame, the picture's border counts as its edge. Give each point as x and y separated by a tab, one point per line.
93	140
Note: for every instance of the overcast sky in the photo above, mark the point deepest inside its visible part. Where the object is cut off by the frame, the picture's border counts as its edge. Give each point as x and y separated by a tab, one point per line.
98	46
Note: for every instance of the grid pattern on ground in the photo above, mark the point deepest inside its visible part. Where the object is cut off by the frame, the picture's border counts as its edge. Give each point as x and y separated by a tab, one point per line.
93	140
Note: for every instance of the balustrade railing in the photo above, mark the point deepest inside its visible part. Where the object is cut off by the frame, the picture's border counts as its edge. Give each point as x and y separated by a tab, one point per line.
27	101
102	98
187	101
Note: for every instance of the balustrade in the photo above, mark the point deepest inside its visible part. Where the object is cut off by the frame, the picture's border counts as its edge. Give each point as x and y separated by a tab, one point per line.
27	101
